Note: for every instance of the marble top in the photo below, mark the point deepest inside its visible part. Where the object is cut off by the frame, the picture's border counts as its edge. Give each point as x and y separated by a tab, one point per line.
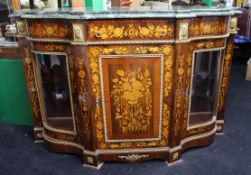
140	12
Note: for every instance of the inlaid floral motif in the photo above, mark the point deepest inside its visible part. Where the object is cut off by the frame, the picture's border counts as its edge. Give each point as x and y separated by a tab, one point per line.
83	94
225	75
48	47
106	32
208	27
132	99
48	30
31	85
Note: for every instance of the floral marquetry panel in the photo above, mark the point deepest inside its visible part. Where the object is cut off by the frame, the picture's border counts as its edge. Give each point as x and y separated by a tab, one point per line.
130	29
49	47
131	96
205	26
49	29
136	84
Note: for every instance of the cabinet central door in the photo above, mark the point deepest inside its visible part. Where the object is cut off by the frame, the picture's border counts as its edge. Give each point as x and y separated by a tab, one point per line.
132	87
131	95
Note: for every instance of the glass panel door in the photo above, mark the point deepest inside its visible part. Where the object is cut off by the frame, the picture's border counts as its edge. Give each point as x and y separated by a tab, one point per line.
55	92
204	85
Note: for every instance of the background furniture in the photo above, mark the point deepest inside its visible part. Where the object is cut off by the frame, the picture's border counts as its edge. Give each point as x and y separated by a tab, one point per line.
110	87
14	102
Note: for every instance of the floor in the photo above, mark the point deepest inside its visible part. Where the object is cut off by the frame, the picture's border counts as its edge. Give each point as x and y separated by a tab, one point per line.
230	154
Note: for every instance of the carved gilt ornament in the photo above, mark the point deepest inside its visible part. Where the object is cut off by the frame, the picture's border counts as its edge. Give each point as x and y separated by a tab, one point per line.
133	157
183	30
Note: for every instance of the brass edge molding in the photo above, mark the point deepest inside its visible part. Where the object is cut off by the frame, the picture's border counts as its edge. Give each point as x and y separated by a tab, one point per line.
21	28
62	142
124	42
133	150
48	53
232	26
191	80
37	129
183	30
133	157
54	40
203	37
87	43
43	117
219	121
203	124
161	56
203	135
78	32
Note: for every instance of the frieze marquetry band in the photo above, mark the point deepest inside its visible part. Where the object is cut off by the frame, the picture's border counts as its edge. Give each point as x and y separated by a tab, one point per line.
49	47
160	29
49	29
208	26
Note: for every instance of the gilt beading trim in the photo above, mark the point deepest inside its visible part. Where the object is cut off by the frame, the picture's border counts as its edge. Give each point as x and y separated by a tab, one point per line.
90	43
63	142
213	120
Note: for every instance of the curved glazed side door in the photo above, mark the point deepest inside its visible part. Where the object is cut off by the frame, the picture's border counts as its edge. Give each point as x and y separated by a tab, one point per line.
203	87
55	95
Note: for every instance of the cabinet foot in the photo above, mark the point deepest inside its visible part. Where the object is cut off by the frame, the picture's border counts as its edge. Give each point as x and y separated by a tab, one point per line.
174	163
220	128
94	167
92	162
38	137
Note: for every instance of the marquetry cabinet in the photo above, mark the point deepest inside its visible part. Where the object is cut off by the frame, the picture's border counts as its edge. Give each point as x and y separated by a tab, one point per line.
129	85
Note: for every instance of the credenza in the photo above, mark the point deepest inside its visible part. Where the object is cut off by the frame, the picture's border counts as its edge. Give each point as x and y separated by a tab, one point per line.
127	85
